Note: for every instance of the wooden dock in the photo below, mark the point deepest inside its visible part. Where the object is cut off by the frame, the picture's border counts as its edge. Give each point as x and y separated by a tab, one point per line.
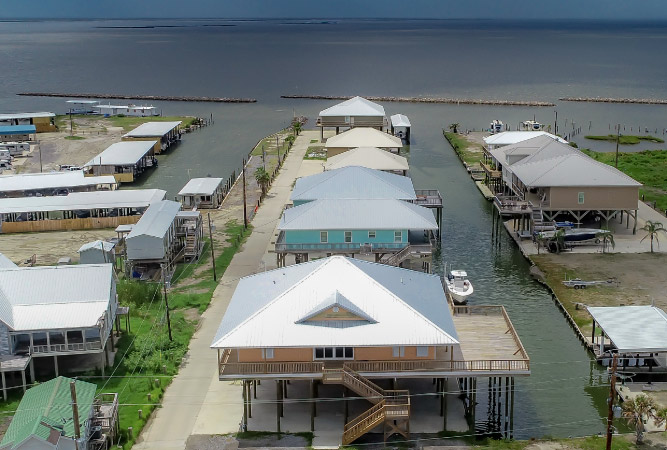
445	100
169	98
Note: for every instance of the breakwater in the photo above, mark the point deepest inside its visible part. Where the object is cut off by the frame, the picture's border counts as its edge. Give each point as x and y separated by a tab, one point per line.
170	98
452	101
639	101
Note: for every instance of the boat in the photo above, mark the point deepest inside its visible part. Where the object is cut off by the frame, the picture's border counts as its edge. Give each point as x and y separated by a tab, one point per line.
577	234
496	126
458	286
531	125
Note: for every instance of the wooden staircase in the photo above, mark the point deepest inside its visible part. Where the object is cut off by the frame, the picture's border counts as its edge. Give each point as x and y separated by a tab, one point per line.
391	408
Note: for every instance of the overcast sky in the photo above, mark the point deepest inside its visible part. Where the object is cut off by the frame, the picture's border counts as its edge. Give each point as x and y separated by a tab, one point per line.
509	9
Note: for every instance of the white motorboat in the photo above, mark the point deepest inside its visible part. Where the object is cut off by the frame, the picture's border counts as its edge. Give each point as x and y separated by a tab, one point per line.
496	126
458	286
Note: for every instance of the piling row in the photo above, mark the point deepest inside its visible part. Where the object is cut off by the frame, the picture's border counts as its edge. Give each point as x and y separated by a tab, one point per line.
169	98
641	101
453	101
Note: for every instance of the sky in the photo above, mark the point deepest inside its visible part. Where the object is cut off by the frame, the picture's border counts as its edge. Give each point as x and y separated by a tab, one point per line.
431	9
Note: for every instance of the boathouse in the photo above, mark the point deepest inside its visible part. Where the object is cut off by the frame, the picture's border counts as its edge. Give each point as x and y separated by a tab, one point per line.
76	211
43	121
165	133
202	193
341	321
637	334
362	137
53	183
45	418
355	112
400	126
371	158
127	110
79	106
124	160
17	133
49	312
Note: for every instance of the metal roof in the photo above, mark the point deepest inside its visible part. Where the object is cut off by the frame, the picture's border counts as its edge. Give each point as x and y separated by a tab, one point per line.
205	186
6	263
130	106
18	129
400	120
332	214
633	328
10	116
97	245
55	297
271	309
370	157
153	129
157	220
131	198
83	102
353	182
364	137
48	406
126	153
512	137
51	180
543	144
356	106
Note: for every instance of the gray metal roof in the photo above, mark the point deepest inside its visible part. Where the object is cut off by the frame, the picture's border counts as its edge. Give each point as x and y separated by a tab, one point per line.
51	180
153	129
30	115
369	157
513	137
356	106
201	186
55	297
97	245
268	309
131	198
6	263
353	182
332	214
633	328
364	137
544	145
156	220
126	153
400	120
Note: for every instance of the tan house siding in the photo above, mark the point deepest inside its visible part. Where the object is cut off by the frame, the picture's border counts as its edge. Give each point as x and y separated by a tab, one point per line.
306	354
250	355
594	198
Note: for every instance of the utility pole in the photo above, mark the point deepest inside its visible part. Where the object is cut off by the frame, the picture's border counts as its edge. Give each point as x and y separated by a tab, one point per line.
612	394
556	122
245	212
618	137
166	302
70	122
210	234
75	414
39	145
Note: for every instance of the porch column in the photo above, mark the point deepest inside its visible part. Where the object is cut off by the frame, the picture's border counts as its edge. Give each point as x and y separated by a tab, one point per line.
23	378
321	134
634	227
32	370
507	407
511	407
346	403
278	392
444	382
249	397
312	405
55	363
4	386
244	426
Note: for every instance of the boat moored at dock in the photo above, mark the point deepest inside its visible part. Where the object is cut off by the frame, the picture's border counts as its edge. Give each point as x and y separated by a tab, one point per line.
458	286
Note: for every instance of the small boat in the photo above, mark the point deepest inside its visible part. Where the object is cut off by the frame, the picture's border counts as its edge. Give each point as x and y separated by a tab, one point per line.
577	234
531	125
496	126
458	286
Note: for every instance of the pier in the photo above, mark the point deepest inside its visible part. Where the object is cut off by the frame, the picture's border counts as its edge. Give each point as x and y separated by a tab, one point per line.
169	98
445	100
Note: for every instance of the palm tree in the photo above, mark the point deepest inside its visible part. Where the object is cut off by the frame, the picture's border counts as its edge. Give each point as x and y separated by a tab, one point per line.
454	127
296	127
636	411
652	229
661	417
559	239
263	178
606	238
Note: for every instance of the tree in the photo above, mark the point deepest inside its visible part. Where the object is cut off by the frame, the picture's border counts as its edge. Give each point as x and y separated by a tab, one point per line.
606	238
636	411
559	240
652	229
263	178
661	417
296	127
454	127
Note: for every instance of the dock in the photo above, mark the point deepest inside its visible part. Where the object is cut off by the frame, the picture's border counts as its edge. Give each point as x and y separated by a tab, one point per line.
169	98
444	100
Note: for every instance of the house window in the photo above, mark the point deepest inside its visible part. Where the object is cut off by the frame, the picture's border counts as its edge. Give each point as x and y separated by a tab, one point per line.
371	235
422	352
398	236
268	353
324	237
334	353
348	236
581	198
398	352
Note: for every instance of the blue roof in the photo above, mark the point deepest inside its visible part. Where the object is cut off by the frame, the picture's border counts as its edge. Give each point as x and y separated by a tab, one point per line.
18	129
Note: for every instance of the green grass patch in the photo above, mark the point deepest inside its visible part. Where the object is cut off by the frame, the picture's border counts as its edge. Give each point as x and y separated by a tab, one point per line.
626	139
314	141
648	167
316	152
74	138
468	152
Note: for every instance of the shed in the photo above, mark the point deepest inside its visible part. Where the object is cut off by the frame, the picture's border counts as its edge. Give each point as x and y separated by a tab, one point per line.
80	106
124	160
97	252
151	238
400	126
127	110
362	137
43	121
202	193
17	133
371	158
165	133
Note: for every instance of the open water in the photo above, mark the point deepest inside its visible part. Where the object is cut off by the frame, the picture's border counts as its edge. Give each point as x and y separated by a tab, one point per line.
476	59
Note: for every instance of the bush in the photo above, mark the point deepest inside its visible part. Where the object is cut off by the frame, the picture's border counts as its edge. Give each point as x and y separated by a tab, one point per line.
135	293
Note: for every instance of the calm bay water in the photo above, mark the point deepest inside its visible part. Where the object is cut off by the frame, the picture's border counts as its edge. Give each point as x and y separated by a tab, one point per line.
486	59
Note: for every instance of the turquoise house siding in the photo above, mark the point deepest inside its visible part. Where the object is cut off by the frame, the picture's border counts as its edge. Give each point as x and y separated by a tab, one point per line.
338	236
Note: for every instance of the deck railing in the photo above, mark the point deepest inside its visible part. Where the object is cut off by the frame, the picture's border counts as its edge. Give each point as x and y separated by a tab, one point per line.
512	204
349	247
428	197
70	347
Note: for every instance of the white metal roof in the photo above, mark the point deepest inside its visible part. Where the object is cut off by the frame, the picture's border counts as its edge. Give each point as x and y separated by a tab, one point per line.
543	144
203	186
124	228
131	198
400	120
332	214
6	263
83	102
153	129
364	137
271	309
156	220
126	153
124	106
512	137
370	157
356	106
633	328
51	180
98	245
55	297
30	115
353	182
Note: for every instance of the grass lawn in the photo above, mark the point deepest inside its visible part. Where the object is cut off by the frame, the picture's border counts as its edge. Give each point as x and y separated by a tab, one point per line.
74	138
648	167
469	152
316	152
626	139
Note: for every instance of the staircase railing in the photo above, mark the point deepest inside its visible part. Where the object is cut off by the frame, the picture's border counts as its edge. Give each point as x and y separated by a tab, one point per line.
364	422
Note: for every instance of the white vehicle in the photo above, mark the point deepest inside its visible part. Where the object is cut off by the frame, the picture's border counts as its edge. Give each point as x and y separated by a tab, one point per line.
458	286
